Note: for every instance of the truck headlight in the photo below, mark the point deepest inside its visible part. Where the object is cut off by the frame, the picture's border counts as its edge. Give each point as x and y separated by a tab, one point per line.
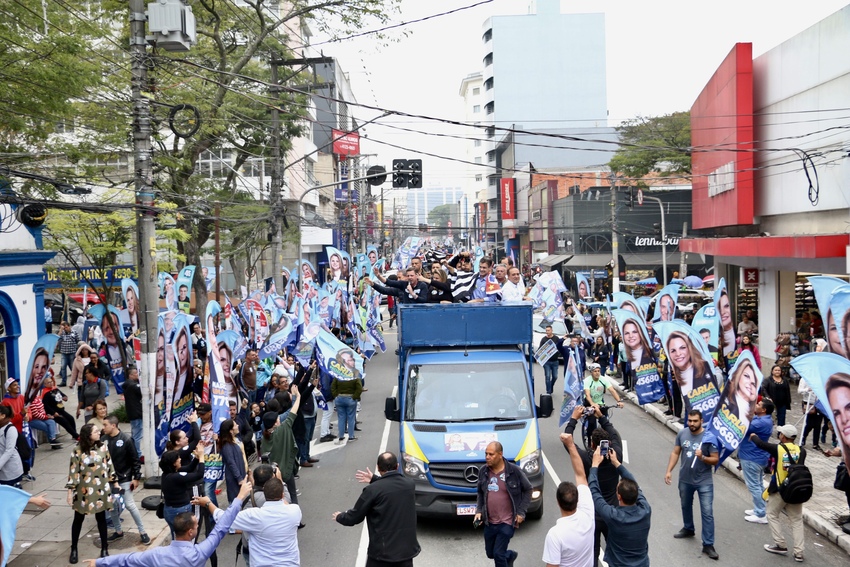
530	464
413	467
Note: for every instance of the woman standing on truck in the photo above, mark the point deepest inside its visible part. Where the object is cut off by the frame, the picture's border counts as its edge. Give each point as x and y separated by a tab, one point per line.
439	289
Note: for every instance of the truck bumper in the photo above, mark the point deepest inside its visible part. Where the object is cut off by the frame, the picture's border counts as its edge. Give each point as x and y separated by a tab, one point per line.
438	502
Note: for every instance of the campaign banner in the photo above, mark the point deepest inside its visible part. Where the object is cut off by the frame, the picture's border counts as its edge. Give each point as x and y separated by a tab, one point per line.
728	340
184	287
572	389
130	314
182	396
337	359
335	267
114	349
222	388
691	366
828	374
665	303
545	352
644	367
38	366
736	406
623	300
707	324
372	254
209	273
14	502
167	291
258	323
824	287
582	287
161	398
377	338
839	331
283	338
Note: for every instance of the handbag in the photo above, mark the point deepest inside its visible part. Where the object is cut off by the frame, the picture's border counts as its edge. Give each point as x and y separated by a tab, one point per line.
160	508
842	479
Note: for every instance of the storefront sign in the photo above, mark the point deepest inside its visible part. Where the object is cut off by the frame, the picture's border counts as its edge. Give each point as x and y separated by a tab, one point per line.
508	185
86	275
749	278
346	144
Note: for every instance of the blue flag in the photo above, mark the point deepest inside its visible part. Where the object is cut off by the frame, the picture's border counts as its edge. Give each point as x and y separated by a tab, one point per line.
14	501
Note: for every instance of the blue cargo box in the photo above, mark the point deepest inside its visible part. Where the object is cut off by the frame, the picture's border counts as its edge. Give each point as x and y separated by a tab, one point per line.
468	324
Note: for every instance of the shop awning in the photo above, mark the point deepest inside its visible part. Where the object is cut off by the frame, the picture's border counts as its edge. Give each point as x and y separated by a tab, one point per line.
800	246
554	259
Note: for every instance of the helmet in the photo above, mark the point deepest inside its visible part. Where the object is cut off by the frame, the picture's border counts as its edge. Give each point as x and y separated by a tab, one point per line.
593	366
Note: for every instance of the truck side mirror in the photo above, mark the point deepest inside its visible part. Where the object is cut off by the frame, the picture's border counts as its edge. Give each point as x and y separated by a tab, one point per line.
391	410
545	407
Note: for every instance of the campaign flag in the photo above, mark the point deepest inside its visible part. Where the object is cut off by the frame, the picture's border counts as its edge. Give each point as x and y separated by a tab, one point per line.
284	337
337	359
258	323
335	266
167	291
209	274
113	346
623	300
691	366
736	406
130	315
728	341
572	389
582	286
14	502
491	286
665	303
644	367
38	366
378	338
479	253
182	395
161	413
838	320
824	287
184	287
222	387
828	374
707	324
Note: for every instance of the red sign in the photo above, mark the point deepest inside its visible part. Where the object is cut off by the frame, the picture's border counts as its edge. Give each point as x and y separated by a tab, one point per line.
508	186
482	214
722	140
749	278
346	144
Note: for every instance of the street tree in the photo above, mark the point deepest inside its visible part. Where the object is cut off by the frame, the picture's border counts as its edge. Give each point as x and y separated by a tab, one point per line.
654	146
439	217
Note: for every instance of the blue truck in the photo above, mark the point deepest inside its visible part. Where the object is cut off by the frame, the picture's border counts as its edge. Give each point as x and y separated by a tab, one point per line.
465	379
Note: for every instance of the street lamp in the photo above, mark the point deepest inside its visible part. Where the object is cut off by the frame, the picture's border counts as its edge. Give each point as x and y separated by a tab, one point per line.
663	236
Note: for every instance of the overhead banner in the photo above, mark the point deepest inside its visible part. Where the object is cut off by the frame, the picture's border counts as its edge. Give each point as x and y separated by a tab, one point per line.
508	185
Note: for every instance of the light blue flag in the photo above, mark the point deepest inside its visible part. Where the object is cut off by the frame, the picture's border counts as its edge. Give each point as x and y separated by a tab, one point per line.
14	501
691	365
736	407
647	382
572	390
665	303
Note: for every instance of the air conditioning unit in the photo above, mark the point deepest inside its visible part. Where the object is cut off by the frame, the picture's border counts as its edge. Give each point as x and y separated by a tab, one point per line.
536	215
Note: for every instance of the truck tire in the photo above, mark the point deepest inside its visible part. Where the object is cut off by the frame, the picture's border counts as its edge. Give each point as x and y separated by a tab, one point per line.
537	514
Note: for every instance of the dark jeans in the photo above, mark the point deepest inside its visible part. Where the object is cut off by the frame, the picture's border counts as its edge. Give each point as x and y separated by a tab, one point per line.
304	442
706	502
497	537
67	422
16	482
813	423
375	563
550	370
780	415
626	371
600	530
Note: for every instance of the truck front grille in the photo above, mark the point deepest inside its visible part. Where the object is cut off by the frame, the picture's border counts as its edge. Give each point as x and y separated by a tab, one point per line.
463	475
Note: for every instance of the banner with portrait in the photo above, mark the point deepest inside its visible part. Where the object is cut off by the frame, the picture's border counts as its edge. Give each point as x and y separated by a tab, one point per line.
736	407
184	287
167	291
828	374
161	401
130	314
283	338
691	366
824	287
707	324
644	367
114	348
337	359
572	389
623	300
665	303
182	396
222	388
728	340
258	324
38	366
838	331
582	287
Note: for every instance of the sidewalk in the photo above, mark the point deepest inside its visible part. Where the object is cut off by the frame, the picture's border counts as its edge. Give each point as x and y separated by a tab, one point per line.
43	537
826	505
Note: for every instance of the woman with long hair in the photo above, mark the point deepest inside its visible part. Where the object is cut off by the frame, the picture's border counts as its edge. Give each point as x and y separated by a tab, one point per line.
54	404
40	366
748	344
741	393
727	324
183	383
178	478
833	337
232	456
90	478
838	399
637	347
689	368
600	353
776	388
132	308
439	288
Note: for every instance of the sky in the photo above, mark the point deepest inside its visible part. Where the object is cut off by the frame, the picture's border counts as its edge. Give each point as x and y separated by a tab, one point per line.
660	54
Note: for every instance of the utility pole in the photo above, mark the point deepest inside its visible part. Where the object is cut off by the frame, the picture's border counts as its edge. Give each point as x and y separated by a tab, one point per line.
217	252
274	190
663	236
145	228
615	239
683	264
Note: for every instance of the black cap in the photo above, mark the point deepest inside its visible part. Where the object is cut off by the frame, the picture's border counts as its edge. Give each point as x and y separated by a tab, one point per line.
270	419
203	408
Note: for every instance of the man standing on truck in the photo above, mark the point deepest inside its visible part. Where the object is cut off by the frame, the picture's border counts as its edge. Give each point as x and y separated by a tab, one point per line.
408	290
504	494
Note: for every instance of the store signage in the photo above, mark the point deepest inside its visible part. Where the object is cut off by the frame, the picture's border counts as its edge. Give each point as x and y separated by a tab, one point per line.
749	278
346	144
54	277
595	274
652	241
508	186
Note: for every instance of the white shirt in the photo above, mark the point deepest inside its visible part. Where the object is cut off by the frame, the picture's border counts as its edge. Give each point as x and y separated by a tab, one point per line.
512	292
569	542
272	533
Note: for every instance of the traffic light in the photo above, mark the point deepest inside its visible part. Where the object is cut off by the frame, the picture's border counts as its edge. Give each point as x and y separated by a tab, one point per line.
414	179
400	173
658	233
631	198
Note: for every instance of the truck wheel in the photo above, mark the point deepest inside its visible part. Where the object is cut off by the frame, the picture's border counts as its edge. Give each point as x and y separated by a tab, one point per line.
537	514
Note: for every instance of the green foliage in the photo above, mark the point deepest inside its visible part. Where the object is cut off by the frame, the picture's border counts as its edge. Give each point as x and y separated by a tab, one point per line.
120	412
658	145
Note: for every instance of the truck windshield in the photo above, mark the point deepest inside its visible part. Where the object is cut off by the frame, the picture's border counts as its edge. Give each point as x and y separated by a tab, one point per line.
465	392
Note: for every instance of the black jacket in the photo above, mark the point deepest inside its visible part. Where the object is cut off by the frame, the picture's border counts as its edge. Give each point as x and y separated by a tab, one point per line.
125	457
519	489
133	399
399	288
389	506
608	475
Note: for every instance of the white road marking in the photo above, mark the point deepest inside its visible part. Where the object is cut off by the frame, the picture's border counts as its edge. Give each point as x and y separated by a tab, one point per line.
625	455
364	532
550	469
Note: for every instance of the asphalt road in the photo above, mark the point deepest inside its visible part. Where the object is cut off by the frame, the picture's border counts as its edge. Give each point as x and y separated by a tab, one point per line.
330	486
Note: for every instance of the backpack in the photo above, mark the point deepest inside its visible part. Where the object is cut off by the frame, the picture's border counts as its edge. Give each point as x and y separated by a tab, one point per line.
23	448
798	485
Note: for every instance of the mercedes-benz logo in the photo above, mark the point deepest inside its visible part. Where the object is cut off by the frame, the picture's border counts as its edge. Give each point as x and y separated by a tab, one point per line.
471	474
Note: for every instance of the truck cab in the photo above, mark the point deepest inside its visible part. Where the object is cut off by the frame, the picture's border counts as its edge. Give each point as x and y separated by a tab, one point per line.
464	381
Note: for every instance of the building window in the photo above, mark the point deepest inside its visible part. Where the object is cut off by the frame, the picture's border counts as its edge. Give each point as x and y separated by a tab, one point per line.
476	109
479	177
65	127
476	91
476	143
214	163
478	159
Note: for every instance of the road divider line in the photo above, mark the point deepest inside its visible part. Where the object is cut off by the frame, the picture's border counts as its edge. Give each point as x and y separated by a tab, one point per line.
625	455
550	469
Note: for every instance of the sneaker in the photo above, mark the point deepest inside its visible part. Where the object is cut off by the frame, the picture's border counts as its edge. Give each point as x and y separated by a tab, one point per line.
146	539
350	439
756	519
749	512
29	477
115	537
773	548
338	442
326	438
683	533
798	557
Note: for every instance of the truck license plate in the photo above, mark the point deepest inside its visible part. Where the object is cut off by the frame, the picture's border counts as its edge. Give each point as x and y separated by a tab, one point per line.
466	509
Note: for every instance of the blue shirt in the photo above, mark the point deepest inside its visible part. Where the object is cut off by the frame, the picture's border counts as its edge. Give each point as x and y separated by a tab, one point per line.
182	553
762	426
630	524
479	291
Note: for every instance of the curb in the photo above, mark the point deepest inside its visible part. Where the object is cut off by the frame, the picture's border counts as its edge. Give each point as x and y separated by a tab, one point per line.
825	528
